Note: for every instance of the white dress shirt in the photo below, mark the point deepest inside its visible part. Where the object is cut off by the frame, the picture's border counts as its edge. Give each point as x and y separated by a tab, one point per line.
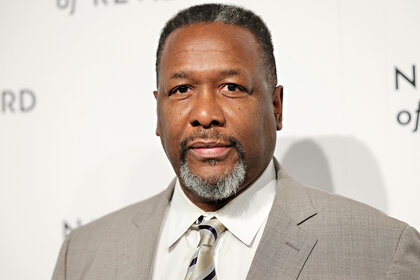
244	218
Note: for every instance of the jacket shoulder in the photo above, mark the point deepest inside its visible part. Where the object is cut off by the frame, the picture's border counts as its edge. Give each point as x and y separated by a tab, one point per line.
335	206
361	217
358	240
125	217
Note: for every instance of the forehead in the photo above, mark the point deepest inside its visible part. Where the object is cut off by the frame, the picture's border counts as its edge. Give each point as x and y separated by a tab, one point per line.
207	45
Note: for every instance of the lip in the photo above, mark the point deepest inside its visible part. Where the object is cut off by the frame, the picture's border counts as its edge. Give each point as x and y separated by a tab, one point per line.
210	150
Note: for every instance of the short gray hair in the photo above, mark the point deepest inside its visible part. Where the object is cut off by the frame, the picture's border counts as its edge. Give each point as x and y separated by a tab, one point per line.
226	14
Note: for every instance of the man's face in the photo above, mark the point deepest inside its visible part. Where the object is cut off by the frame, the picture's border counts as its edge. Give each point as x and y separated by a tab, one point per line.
213	100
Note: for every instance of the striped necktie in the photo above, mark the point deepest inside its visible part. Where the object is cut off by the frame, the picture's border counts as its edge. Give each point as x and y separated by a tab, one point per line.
202	263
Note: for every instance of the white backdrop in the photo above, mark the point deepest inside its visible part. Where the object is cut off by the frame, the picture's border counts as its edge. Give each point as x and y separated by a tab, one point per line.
77	114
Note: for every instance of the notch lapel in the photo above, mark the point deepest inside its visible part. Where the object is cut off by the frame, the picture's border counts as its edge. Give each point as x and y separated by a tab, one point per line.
284	246
148	222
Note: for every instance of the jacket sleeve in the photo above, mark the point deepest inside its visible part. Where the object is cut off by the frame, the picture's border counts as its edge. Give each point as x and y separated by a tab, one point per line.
406	261
60	267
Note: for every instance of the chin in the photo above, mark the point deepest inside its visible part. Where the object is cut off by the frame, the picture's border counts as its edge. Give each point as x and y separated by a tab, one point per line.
215	187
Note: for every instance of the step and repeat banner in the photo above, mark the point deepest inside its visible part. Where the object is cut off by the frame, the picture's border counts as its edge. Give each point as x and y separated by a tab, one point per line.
77	113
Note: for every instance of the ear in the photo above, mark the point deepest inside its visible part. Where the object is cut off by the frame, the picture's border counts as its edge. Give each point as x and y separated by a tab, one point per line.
278	106
155	93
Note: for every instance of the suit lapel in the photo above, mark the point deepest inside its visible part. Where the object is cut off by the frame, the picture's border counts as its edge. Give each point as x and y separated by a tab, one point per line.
284	246
148	223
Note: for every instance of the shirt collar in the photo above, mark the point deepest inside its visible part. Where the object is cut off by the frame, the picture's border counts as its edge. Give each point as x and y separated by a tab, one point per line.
181	215
243	216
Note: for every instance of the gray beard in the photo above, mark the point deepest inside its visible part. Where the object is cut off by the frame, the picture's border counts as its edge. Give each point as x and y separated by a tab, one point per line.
214	188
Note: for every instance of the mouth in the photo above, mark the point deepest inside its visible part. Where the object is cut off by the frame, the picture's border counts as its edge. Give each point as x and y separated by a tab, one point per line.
210	150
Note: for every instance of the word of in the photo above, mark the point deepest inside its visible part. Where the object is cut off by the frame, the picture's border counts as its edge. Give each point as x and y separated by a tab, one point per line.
23	101
404	118
67	4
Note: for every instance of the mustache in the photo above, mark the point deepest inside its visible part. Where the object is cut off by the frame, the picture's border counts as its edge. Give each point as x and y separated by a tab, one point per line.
210	135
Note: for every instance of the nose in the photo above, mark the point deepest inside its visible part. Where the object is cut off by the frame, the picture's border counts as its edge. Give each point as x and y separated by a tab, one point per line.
206	110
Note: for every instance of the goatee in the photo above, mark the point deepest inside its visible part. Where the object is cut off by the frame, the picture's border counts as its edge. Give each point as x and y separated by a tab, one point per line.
213	188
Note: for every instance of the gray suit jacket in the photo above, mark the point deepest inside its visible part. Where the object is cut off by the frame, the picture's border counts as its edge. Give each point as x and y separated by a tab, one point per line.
309	234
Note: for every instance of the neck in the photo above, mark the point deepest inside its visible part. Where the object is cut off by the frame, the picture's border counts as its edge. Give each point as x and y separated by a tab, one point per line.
206	205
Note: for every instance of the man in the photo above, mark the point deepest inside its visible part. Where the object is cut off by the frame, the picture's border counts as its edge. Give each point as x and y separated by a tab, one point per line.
218	107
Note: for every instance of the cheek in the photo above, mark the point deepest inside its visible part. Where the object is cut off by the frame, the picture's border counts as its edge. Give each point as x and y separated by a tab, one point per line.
255	126
172	122
245	124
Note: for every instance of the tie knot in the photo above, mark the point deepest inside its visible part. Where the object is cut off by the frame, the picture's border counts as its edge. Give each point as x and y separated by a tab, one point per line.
210	231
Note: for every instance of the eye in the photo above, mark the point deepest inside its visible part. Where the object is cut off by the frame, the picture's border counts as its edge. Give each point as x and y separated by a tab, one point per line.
232	89
180	90
229	87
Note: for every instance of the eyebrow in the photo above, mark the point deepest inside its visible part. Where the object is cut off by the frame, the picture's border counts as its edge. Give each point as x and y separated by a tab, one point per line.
223	73
230	72
180	75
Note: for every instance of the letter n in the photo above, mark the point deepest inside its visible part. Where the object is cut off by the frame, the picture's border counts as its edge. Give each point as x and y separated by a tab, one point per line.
398	74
